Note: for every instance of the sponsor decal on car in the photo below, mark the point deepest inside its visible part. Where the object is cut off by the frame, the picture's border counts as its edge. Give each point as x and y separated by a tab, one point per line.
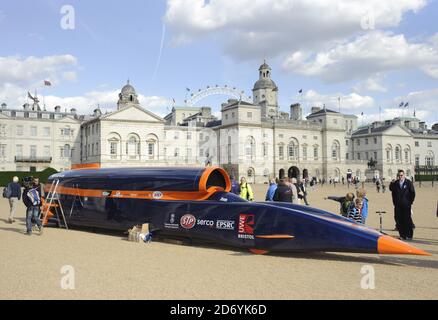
246	226
225	224
208	223
171	224
187	221
106	193
157	195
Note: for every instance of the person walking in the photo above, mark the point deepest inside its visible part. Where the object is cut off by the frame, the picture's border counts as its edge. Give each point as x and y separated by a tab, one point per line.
302	192
293	186
246	190
235	187
283	193
378	185
14	195
32	201
403	196
271	190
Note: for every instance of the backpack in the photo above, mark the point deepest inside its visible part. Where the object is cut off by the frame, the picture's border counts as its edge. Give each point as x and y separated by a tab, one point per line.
34	197
7	191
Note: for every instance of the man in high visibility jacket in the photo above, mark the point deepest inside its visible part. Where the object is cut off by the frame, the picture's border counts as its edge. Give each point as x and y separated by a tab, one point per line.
246	190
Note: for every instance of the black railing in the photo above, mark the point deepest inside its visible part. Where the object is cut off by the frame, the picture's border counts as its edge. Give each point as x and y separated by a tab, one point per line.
33	159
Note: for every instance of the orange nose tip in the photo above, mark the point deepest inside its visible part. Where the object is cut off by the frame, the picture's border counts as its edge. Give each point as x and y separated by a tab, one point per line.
390	245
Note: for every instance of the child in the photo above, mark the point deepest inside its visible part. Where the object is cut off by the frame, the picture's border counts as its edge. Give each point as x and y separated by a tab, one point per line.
355	213
362	194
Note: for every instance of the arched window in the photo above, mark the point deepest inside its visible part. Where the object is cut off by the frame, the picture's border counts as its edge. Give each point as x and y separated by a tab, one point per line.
293	149
133	146
397	153
407	154
430	159
114	145
152	146
388	150
335	150
250	148
66	151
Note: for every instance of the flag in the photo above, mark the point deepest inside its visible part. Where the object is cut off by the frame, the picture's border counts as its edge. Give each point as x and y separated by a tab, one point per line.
301	91
361	114
406	104
29	95
188	89
47	83
401	104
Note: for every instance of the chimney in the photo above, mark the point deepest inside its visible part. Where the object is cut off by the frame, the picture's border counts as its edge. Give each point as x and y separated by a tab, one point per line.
97	113
58	109
423	125
295	112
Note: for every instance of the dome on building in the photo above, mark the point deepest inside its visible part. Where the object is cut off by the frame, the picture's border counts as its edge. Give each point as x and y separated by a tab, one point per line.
265	83
264	66
128	89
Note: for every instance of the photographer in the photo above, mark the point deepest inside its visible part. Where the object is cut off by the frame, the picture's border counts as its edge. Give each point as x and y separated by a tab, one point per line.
32	201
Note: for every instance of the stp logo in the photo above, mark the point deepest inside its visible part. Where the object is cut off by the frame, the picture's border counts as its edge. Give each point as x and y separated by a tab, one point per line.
246	224
188	221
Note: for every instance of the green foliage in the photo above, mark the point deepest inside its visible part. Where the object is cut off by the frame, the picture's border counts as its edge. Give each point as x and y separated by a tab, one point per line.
6	177
426	177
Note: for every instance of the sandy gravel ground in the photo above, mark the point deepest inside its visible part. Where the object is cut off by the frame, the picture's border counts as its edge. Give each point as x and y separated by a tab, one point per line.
109	267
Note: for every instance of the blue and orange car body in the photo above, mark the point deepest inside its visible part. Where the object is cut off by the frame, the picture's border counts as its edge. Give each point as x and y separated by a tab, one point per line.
196	203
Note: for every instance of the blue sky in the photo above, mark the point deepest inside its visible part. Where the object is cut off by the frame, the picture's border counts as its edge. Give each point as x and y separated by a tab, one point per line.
318	47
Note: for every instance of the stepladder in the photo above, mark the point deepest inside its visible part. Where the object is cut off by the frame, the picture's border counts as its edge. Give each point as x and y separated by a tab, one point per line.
52	207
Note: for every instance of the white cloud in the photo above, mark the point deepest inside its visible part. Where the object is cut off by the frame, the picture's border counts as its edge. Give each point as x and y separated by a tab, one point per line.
367	55
348	101
256	28
373	83
107	100
32	71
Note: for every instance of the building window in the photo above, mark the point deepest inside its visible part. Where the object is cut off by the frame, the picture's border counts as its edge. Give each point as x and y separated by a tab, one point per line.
304	153
189	136
367	155
47	151
66	151
19	150
151	149
113	148
250	148
335	121
232	115
226	116
397	154
176	135
407	156
429	161
33	131
429	144
417	160
375	140
366	141
265	150
2	130
189	153
19	130
281	152
375	155
315	138
46	131
2	151
358	142
133	147
346	142
358	156
176	153
315	153
33	152
249	115
417	144
335	150
346	156
293	150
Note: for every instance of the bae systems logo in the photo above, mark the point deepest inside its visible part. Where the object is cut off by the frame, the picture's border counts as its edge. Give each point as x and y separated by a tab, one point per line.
187	221
157	195
246	229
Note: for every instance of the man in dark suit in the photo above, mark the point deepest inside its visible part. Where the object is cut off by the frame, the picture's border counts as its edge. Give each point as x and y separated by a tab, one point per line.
403	195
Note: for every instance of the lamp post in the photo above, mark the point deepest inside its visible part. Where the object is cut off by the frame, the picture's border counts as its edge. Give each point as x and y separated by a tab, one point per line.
274	147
